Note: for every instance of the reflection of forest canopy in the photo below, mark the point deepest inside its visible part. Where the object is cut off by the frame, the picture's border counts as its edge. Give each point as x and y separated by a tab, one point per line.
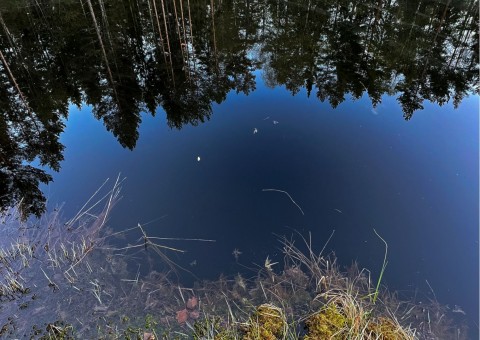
127	57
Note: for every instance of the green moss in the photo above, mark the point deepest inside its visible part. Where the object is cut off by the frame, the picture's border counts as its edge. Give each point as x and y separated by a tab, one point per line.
329	323
267	323
385	329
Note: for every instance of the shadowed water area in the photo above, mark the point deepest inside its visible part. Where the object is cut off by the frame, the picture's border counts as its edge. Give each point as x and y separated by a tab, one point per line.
236	121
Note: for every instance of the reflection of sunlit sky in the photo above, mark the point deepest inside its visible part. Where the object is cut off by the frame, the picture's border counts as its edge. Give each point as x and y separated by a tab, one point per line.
415	182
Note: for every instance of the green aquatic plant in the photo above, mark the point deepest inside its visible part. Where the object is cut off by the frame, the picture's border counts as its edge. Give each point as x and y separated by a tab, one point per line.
211	328
374	295
329	323
267	323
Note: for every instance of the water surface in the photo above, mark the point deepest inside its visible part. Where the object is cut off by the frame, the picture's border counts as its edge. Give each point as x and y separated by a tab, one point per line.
365	114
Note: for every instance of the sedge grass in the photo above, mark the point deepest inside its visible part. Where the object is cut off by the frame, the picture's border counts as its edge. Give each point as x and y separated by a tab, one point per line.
374	295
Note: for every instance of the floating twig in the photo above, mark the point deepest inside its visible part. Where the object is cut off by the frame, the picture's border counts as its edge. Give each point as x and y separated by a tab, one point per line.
286	193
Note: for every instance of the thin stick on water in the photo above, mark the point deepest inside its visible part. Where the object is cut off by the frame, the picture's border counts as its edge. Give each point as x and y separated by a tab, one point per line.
428	283
49	281
325	245
286	193
181	294
81	211
263	290
181	239
111	198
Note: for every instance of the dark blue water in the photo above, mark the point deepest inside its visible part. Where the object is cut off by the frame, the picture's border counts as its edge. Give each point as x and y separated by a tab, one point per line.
351	170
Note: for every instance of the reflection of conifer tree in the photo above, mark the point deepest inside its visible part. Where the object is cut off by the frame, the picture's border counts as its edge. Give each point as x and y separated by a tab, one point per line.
104	53
24	136
125	57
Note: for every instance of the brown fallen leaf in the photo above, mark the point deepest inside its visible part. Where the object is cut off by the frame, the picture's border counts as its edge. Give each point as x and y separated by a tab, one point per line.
194	314
192	302
182	316
148	336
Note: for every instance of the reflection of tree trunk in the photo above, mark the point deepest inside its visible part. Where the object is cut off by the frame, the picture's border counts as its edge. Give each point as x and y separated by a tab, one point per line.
185	40
464	44
19	91
191	36
99	36
411	29
168	42
83	8
177	25
308	13
214	36
107	30
427	58
442	20
8	34
162	43
463	38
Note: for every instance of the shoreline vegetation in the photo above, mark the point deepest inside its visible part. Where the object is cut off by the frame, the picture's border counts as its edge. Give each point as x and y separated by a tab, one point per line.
76	280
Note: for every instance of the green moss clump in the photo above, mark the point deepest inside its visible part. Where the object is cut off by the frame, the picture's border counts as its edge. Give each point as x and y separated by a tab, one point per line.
385	329
329	323
267	323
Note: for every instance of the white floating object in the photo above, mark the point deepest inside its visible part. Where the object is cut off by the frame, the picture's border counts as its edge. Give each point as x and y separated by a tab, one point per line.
198	159
255	130
275	122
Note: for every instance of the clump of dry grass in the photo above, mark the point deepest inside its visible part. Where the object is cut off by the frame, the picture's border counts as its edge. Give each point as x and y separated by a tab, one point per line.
316	300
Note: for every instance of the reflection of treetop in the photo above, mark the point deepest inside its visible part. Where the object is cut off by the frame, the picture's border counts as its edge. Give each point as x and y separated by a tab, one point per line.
125	57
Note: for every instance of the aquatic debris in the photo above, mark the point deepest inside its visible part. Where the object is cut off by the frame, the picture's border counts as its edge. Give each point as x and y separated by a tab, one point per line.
190	311
255	130
194	314
182	316
192	302
286	193
240	281
275	122
148	336
236	253
338	210
458	309
268	264
198	158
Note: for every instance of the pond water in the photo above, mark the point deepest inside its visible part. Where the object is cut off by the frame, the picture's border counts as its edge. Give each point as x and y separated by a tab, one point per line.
256	119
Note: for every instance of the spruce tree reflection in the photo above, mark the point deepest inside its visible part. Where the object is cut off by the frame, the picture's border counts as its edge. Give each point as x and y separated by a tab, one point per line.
128	57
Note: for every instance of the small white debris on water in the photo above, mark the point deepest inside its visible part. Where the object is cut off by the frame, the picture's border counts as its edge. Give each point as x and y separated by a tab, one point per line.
457	309
236	253
198	158
275	122
255	130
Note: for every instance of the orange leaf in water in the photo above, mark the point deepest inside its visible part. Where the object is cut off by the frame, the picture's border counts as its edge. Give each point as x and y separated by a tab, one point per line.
182	316
192	302
194	314
148	336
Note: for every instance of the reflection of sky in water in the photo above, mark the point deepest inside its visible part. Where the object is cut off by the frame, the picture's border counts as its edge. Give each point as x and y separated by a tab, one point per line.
415	182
